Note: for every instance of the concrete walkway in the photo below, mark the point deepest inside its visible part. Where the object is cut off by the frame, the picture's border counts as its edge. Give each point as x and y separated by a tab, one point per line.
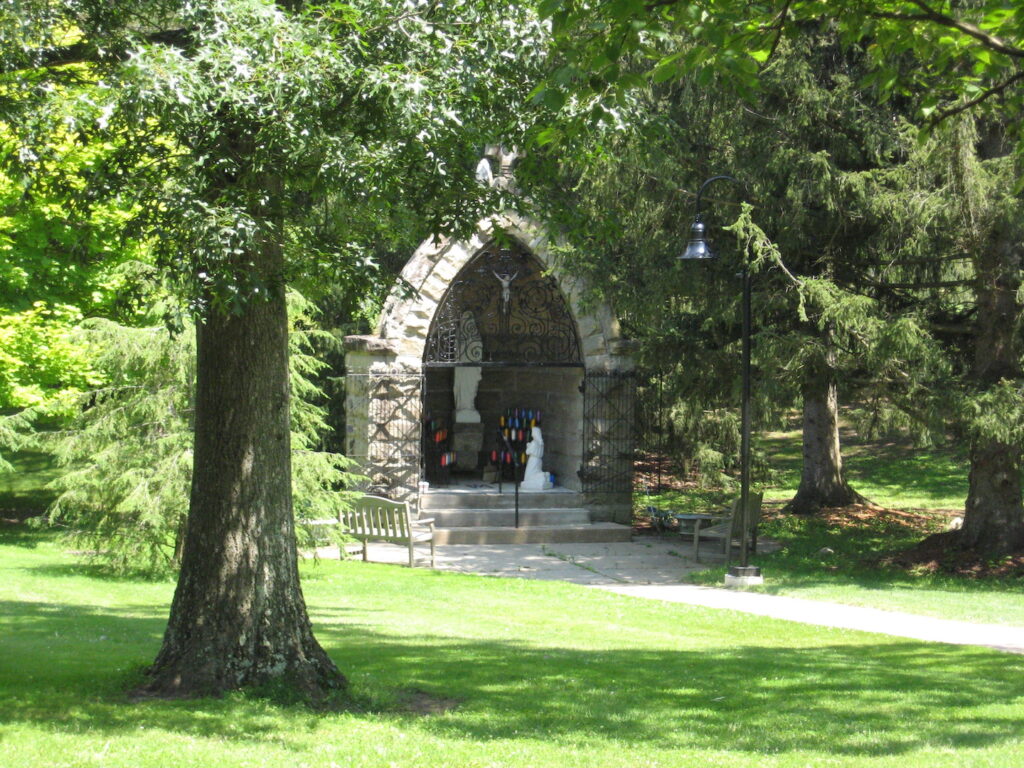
653	569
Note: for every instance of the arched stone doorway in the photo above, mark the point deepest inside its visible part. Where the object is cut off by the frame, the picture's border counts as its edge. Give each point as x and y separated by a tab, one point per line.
498	309
502	339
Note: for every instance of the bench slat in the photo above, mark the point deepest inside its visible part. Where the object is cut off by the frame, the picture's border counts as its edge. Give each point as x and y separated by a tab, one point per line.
379	519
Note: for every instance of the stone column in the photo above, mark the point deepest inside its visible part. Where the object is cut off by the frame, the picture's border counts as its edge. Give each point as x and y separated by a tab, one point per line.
383	404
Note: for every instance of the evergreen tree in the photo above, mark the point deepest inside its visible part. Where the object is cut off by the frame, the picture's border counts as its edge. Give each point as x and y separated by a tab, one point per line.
986	222
951	59
128	453
810	152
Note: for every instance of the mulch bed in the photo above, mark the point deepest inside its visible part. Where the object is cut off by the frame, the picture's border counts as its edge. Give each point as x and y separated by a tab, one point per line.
941	553
937	553
861	514
658	474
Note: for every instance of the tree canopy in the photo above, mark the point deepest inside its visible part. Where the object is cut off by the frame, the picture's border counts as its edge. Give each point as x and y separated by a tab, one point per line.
956	56
930	62
265	143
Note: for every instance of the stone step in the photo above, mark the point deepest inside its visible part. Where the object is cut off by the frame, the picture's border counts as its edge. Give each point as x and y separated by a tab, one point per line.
556	499
464	518
534	534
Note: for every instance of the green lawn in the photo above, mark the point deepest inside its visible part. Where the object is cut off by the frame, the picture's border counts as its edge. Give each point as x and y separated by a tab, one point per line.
851	575
23	491
892	474
932	483
543	674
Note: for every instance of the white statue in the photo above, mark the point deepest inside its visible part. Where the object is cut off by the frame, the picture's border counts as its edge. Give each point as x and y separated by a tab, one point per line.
467	378
484	175
534	478
506	289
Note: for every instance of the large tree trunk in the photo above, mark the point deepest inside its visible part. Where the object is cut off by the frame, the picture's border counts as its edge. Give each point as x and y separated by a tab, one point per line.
239	617
994	517
822	481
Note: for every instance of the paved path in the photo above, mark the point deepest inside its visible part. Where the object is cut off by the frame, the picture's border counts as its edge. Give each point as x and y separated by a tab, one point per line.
999	637
654	570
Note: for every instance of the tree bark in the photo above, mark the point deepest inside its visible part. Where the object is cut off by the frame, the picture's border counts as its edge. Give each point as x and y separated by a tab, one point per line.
822	480
994	515
238	617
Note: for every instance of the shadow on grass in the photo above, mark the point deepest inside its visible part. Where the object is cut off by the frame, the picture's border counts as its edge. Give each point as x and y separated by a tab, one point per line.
856	700
99	571
24	492
862	700
21	535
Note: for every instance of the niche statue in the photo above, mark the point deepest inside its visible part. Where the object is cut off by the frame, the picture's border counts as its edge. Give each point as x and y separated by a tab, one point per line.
467	378
534	478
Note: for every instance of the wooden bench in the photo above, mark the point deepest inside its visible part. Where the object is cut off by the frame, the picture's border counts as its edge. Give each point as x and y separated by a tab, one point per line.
373	518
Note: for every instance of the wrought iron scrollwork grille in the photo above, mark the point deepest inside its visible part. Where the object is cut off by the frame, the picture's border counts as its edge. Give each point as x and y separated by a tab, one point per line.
503	308
609	399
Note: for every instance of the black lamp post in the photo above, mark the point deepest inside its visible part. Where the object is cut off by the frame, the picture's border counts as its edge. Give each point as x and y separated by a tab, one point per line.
697	248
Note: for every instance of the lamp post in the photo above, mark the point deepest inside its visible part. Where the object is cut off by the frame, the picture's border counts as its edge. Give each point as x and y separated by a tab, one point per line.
698	249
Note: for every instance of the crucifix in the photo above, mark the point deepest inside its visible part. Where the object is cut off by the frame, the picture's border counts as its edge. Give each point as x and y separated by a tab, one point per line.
506	289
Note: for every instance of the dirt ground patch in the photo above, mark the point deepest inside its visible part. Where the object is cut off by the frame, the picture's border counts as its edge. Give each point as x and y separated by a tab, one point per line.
422	703
858	515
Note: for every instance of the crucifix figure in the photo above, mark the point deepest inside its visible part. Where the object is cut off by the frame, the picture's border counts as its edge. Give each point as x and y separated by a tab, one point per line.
506	289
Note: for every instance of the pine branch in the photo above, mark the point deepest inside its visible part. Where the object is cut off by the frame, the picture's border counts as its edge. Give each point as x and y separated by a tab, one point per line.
959	328
929	284
779	24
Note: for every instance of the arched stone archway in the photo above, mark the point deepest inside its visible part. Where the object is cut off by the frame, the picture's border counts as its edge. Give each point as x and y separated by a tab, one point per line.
503	308
408	313
537	345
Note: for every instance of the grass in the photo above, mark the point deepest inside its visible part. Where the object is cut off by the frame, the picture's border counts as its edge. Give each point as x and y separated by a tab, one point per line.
892	474
23	492
929	484
544	674
852	576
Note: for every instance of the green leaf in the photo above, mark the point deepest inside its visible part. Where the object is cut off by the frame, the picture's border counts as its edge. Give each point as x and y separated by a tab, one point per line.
983	55
547	136
548	8
553	99
621	10
667	69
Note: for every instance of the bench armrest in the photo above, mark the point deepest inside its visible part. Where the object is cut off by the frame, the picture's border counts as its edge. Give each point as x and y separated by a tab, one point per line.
424	521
